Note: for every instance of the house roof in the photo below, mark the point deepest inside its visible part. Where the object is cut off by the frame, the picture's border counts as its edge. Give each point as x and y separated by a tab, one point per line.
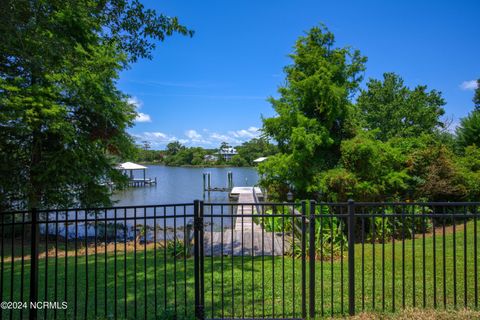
229	150
130	166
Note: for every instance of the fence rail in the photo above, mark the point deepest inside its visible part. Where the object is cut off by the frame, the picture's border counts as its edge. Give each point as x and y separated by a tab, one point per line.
238	260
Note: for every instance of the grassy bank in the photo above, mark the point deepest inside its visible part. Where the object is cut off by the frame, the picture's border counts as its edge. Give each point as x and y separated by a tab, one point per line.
252	286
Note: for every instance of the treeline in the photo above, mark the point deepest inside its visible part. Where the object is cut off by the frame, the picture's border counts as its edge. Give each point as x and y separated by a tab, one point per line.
177	154
385	142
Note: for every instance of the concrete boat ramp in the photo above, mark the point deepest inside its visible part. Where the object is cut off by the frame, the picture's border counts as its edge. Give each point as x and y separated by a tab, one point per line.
246	237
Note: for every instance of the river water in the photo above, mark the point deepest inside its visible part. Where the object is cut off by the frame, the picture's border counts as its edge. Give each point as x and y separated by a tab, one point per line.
182	185
175	185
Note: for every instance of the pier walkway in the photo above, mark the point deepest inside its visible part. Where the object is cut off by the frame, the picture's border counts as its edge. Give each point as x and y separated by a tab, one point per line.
246	237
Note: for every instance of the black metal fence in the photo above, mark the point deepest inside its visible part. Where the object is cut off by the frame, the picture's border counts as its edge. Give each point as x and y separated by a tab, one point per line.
238	260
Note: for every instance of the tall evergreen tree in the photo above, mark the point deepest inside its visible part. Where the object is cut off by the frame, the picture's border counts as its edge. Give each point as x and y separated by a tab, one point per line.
314	111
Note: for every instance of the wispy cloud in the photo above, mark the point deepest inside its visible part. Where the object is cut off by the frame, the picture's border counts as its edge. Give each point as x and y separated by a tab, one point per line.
141	117
155	138
469	85
208	96
158	84
249	133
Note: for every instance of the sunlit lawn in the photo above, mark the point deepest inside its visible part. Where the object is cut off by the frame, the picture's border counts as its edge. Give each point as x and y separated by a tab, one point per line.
251	287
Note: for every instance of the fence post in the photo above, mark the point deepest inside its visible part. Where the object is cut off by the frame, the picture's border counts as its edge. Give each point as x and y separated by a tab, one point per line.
351	257
304	263
198	258
311	256
34	240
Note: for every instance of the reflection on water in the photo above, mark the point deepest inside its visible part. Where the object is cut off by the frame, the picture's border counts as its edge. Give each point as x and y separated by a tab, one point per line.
175	185
151	223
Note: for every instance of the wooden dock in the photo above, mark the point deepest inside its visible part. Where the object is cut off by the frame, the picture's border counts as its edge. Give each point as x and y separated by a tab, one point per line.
142	182
246	237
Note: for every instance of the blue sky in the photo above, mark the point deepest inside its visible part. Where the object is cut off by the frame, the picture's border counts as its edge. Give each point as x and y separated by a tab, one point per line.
214	87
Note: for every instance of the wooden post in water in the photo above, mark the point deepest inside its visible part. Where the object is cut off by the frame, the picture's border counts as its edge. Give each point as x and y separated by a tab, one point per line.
230	179
204	184
209	178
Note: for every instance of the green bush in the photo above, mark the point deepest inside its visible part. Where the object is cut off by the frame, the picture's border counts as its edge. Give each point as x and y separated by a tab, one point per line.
399	222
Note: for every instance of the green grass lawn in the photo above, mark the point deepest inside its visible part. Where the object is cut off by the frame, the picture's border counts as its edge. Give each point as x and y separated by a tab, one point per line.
252	286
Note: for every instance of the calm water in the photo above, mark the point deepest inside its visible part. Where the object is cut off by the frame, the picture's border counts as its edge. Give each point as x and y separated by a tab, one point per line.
183	185
174	185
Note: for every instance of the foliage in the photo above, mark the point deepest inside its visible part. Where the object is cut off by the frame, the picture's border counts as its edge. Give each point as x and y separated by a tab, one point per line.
401	168
330	232
177	154
470	171
397	111
275	221
186	156
476	97
314	112
438	174
238	161
155	156
390	145
63	118
399	222
330	235
468	133
177	249
174	147
254	149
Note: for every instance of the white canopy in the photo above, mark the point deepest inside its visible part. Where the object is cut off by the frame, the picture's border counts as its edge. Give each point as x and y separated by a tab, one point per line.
130	166
261	159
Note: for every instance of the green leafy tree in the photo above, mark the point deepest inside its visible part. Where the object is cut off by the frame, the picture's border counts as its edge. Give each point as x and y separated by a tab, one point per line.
468	133
314	112
470	170
476	97
397	111
254	149
174	147
63	119
437	174
238	161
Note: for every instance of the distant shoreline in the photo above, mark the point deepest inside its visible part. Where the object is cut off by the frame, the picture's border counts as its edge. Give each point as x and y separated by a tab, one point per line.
194	166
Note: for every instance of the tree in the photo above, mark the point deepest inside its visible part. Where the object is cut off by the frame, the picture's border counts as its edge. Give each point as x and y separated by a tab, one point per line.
174	147
255	148
224	146
63	119
314	111
468	132
394	110
476	97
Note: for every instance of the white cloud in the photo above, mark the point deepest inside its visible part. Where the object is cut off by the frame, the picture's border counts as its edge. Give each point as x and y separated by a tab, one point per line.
218	136
141	117
469	85
135	101
194	135
156	139
249	133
